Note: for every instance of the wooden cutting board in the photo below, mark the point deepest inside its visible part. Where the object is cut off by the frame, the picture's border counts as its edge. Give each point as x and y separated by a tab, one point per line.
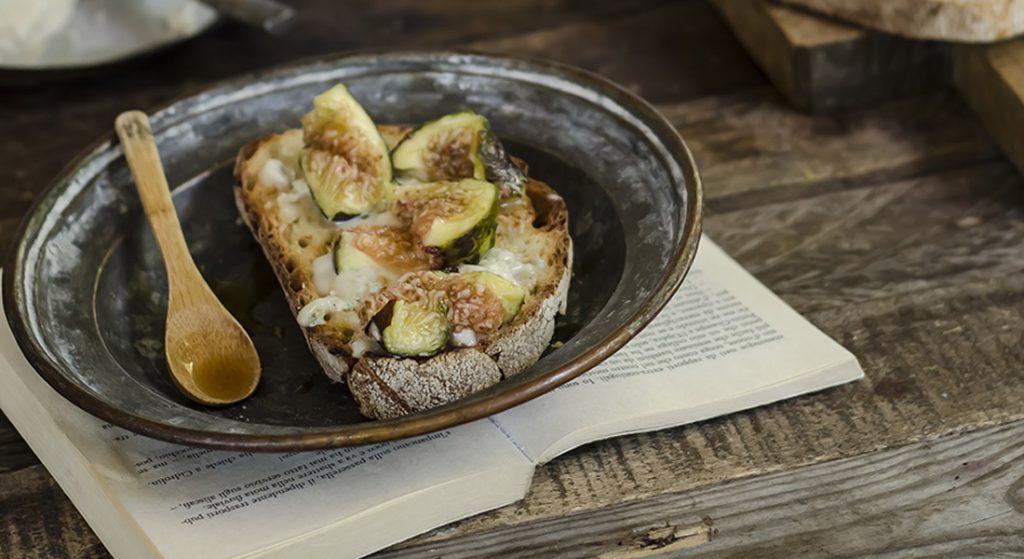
991	79
821	64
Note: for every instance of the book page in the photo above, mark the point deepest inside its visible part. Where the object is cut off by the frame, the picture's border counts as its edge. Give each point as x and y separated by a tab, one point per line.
174	501
723	343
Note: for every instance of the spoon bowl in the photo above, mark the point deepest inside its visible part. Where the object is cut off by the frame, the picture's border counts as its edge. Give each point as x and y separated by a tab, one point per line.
211	358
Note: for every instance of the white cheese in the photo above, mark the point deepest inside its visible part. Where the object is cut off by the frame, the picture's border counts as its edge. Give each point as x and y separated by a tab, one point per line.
508	265
289	207
295	202
274	173
464	338
315	313
344	291
290	147
361	344
323	274
350	284
353	285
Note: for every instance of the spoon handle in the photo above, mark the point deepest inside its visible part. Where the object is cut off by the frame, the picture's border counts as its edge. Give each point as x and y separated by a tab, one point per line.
144	161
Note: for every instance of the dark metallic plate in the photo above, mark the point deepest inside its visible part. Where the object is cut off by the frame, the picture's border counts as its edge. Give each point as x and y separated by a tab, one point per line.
85	290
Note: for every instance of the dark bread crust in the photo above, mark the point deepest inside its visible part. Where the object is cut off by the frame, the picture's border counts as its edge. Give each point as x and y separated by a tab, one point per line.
390	387
387	386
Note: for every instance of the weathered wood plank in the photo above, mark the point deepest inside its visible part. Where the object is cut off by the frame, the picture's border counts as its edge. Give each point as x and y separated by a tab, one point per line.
328	30
37	521
959	496
946	230
991	79
653	52
14	452
323	27
752	149
821	64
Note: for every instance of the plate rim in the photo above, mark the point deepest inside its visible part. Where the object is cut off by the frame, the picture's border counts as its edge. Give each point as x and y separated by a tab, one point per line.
410	425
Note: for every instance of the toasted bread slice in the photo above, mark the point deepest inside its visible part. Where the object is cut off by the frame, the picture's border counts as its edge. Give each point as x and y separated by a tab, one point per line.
294	235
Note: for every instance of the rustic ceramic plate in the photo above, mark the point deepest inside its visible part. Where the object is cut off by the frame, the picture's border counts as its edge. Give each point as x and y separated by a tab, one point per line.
85	290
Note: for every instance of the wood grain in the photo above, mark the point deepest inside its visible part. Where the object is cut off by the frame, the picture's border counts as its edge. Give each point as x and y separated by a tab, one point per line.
753	149
952	497
991	79
37	520
656	53
14	452
949	230
820	64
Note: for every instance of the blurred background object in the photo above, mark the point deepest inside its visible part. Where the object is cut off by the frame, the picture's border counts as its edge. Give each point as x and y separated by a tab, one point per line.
268	15
27	26
981	21
46	35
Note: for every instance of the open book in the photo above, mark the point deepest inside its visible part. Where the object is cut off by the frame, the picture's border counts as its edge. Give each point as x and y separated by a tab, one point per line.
724	343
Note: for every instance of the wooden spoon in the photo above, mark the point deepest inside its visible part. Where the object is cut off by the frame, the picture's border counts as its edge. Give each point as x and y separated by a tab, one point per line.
212	359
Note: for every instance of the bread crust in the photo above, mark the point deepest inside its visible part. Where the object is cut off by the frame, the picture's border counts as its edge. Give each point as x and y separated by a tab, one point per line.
389	386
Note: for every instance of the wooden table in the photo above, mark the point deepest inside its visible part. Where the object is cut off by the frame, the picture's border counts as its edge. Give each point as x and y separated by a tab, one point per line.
898	230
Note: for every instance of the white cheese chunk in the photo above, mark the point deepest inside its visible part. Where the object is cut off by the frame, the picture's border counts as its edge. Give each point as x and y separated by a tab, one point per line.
361	344
464	338
508	265
274	173
323	274
315	313
344	290
353	285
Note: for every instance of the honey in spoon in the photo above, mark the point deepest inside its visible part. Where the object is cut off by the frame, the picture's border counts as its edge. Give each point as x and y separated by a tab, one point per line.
222	378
